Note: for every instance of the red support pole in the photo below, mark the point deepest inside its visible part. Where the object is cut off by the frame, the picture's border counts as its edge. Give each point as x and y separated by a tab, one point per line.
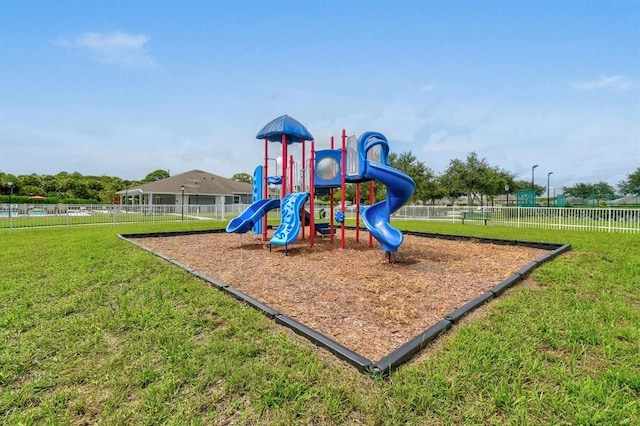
312	224
303	186
284	165
372	199
343	182
292	190
265	186
303	167
291	174
331	230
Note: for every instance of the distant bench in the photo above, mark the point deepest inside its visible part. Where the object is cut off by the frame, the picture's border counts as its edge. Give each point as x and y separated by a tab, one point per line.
483	216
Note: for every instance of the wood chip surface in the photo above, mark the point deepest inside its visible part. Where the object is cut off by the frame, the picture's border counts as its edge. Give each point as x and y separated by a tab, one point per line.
353	295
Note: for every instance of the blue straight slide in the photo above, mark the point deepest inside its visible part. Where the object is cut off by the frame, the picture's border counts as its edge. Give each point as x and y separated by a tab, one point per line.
251	215
289	227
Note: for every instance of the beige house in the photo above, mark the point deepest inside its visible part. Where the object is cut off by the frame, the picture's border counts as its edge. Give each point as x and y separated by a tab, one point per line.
195	187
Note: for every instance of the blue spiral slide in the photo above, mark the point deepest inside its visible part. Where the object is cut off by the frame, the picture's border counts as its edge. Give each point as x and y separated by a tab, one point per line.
251	215
399	185
289	227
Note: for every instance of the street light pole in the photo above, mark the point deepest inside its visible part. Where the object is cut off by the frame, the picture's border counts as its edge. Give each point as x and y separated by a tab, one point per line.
506	212
10	183
182	207
548	174
506	189
533	168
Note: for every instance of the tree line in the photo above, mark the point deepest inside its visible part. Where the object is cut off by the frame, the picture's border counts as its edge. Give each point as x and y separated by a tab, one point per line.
472	177
481	182
475	179
68	188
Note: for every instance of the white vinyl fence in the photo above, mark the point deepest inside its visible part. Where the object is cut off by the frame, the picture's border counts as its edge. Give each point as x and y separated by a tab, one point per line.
591	219
23	215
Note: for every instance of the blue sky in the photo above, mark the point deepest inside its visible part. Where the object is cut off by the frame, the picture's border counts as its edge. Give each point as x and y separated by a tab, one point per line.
122	88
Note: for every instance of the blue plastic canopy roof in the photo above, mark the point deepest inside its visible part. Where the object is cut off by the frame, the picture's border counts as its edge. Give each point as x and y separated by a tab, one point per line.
294	131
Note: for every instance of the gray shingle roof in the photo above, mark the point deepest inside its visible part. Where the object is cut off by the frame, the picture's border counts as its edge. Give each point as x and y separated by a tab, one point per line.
205	184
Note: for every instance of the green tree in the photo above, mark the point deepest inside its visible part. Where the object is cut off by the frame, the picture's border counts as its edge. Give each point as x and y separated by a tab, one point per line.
467	176
579	190
450	187
631	185
476	179
156	175
495	183
434	188
30	183
423	176
526	184
4	183
603	192
242	177
65	186
111	186
597	193
50	186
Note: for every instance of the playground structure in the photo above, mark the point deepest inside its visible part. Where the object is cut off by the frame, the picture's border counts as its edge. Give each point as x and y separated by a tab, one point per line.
371	328
358	160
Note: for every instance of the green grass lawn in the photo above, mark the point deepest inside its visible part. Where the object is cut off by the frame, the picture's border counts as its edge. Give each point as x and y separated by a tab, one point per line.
93	329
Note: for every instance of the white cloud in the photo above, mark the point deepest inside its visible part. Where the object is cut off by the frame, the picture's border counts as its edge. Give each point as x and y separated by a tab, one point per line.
116	48
616	83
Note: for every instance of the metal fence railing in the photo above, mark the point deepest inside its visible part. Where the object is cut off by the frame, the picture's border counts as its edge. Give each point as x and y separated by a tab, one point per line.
24	215
609	219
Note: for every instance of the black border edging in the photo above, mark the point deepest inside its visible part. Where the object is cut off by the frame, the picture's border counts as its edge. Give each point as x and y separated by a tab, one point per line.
463	310
160	255
560	250
219	285
204	277
409	349
528	268
489	240
319	339
505	284
171	233
403	353
267	310
234	292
